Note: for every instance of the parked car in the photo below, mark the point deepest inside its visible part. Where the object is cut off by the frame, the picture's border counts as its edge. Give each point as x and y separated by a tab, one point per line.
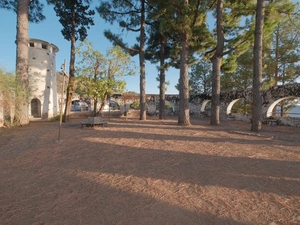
79	106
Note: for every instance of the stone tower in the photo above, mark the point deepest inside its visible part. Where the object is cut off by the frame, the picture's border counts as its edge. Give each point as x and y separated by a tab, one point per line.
42	79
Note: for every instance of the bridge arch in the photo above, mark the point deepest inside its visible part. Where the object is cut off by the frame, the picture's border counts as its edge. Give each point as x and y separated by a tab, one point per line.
229	107
273	105
204	104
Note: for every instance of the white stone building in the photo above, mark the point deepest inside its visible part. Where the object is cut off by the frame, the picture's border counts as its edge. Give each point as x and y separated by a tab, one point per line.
42	79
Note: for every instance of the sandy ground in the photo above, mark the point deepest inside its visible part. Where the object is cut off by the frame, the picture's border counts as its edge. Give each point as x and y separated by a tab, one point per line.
150	172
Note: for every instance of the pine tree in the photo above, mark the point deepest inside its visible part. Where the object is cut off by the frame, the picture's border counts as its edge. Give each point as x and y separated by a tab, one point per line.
158	51
232	39
200	77
22	58
267	17
240	79
282	52
131	15
26	10
185	20
257	68
75	17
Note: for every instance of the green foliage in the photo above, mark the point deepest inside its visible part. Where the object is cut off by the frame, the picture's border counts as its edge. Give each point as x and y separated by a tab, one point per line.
7	83
242	77
74	16
128	16
126	13
99	76
200	77
166	83
176	18
242	107
131	92
135	105
237	30
35	9
5	4
131	16
55	118
12	94
168	106
281	51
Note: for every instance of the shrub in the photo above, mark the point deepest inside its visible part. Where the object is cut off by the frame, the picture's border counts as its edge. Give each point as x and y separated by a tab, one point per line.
168	106
55	118
135	105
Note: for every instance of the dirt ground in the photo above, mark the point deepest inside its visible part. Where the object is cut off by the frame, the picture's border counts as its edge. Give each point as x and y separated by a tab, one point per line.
149	172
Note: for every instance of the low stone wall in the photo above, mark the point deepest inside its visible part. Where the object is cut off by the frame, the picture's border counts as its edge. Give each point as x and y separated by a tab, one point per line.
284	121
289	121
112	113
242	117
195	110
133	114
76	115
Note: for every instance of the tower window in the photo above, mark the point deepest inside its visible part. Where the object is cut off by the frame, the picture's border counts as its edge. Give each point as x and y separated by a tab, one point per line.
31	44
44	46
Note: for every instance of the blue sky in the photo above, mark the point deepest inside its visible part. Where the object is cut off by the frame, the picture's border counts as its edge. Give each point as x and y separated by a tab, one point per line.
50	30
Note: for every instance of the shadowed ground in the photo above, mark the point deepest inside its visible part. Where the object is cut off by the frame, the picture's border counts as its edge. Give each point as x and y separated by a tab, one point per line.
150	172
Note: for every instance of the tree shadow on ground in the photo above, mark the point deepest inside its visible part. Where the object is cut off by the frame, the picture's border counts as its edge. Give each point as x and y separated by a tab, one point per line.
89	178
251	174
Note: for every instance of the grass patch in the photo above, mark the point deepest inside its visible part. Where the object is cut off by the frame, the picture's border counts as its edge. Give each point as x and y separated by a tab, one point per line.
55	118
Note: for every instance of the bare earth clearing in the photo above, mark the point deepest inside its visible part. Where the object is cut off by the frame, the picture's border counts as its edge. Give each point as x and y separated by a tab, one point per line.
150	172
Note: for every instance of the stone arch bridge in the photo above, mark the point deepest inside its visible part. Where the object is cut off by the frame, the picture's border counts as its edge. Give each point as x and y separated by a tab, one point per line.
198	103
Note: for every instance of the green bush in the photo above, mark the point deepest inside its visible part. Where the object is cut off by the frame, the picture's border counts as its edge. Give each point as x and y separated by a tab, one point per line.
135	105
14	95
55	118
168	106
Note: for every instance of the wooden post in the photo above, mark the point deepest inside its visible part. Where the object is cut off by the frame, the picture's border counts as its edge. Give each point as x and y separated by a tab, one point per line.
62	99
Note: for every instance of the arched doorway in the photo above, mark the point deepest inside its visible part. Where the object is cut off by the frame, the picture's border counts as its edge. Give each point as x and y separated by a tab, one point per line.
35	108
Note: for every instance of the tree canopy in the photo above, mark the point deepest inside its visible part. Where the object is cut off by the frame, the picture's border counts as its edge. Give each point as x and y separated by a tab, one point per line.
35	9
75	17
99	76
131	15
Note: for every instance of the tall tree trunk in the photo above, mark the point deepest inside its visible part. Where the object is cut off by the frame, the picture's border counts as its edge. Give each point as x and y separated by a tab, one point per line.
22	107
257	68
216	70
184	107
162	80
71	85
276	66
103	103
276	69
142	64
95	107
